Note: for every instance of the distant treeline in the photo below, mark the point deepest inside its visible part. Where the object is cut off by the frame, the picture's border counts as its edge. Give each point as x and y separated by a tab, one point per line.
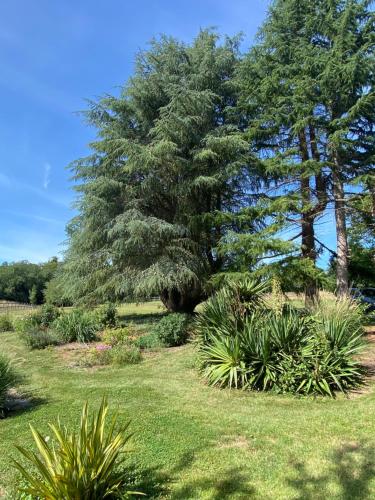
26	282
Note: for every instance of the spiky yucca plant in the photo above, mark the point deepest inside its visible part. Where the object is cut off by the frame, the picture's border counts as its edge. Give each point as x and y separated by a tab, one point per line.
252	347
83	465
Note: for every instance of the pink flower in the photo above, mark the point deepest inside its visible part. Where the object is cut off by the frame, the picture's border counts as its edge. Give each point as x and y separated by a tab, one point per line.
103	347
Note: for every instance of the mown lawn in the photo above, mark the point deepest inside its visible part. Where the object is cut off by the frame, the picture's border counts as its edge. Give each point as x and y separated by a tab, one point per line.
195	442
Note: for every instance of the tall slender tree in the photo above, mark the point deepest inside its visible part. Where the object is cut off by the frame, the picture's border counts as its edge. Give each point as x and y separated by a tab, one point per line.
308	85
279	94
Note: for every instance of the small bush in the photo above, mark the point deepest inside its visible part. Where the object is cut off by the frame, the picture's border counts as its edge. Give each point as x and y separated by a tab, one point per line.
76	325
40	339
121	335
106	315
173	330
6	324
46	315
25	323
8	379
125	355
82	465
119	355
148	341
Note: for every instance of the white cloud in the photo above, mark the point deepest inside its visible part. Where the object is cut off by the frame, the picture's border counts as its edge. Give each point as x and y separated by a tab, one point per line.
4	180
47	175
64	200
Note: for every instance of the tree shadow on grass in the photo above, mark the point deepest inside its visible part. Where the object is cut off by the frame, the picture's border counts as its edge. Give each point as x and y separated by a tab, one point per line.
228	484
17	403
231	483
352	468
141	319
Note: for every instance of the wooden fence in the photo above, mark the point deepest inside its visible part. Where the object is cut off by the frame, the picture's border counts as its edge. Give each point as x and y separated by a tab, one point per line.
9	307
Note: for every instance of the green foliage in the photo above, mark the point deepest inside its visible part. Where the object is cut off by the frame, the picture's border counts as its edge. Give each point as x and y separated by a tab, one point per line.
26	323
312	127
282	350
55	293
36	338
84	464
120	335
167	179
117	355
46	315
8	379
148	341
124	355
76	325
34	297
106	315
173	329
6	324
22	281
41	319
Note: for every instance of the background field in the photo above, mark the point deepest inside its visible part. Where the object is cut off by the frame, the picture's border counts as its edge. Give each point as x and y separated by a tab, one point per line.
192	441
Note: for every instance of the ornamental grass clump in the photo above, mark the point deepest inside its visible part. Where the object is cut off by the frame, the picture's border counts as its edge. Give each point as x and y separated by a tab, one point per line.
253	347
76	326
85	465
8	379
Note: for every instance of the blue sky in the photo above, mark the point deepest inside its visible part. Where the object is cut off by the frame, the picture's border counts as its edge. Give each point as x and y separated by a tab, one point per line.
55	54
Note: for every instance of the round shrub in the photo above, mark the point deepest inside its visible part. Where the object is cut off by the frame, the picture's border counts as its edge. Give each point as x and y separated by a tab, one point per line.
173	330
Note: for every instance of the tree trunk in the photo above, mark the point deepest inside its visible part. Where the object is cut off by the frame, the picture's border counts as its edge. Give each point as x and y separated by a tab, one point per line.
181	301
342	280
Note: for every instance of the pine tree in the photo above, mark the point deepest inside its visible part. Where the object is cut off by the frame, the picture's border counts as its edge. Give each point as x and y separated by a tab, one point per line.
277	80
308	85
168	175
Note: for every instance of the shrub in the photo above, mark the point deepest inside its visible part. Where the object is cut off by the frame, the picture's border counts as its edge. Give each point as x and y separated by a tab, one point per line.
46	315
85	464
121	335
148	341
40	339
104	354
106	315
8	379
125	355
76	325
281	350
25	323
40	319
172	330
6	324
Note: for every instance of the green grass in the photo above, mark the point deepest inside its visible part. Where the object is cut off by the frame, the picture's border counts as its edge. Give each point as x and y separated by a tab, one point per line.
195	442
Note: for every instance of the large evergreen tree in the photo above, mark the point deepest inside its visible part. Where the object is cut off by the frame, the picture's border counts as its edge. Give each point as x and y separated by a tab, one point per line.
308	88
168	176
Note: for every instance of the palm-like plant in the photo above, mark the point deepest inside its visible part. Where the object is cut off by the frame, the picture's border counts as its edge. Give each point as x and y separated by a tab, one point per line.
84	465
242	344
